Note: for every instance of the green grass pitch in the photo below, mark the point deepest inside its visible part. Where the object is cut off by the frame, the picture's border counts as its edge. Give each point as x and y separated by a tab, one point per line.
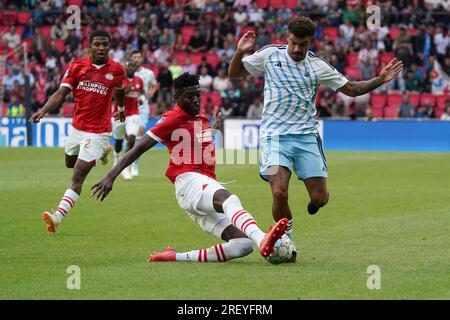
391	210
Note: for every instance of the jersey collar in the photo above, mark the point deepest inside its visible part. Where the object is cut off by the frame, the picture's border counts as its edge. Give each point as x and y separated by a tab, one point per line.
98	66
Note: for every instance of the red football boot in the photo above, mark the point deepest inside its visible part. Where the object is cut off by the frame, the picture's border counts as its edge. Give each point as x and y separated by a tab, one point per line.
167	255
266	247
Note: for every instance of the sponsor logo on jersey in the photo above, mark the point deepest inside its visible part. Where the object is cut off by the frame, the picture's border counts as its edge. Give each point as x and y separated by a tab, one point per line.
160	120
109	76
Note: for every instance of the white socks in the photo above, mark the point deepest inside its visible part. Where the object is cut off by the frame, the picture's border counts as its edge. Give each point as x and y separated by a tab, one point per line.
235	248
242	219
66	203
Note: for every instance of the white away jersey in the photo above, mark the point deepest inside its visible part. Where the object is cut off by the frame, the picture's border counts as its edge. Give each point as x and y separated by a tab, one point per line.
290	89
147	76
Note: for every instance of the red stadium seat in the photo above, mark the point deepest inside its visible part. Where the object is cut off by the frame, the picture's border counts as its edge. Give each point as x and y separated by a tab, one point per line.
20	29
8	17
291	4
263	3
245	29
353	72
23	17
186	32
196	58
414	98
352	59
391	112
215	97
412	31
276	3
212	58
332	32
428	96
377	101
60	45
394	100
180	56
440	100
46	31
78	3
386	57
394	32
378	112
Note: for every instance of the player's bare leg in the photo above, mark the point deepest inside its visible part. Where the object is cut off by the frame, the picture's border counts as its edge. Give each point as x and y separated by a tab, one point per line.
80	171
279	185
318	194
117	150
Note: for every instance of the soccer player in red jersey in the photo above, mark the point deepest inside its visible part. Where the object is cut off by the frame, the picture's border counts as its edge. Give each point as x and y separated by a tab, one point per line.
92	80
189	139
128	130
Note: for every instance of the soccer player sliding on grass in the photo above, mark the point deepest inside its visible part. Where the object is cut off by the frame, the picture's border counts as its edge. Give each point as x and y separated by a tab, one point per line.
189	139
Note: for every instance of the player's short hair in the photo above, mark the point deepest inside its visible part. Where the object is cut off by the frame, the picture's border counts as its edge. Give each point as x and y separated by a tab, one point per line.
135	51
302	27
98	33
185	80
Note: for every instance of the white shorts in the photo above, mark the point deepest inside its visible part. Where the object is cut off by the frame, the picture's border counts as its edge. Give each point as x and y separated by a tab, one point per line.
129	127
88	146
194	193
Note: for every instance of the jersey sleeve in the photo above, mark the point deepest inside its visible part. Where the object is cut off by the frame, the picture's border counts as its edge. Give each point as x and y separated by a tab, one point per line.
329	76
256	62
152	79
162	131
70	79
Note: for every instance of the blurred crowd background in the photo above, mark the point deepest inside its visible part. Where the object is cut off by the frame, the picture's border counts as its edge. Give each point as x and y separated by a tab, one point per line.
200	36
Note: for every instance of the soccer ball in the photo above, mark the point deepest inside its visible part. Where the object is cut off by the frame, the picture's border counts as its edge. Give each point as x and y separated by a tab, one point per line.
283	251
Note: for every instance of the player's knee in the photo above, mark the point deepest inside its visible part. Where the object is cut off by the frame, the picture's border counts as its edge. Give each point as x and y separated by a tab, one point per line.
280	195
320	199
241	247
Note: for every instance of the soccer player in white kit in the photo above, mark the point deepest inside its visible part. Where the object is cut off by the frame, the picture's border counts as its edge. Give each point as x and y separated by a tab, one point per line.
188	137
150	87
289	139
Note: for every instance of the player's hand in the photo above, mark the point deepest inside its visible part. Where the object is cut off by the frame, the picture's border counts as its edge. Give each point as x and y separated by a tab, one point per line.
37	116
122	116
391	70
247	42
217	121
102	188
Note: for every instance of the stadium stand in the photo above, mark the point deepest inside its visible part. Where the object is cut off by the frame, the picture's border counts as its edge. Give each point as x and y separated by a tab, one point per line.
428	55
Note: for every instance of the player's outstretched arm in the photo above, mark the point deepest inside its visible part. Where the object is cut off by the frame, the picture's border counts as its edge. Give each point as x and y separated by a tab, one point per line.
101	189
53	102
358	88
246	43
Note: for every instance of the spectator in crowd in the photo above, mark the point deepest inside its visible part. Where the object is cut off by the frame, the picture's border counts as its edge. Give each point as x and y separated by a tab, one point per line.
208	109
221	81
197	42
11	39
59	30
370	115
424	110
15	108
403	47
189	66
255	110
204	63
165	81
163	54
411	82
205	81
129	15
175	68
34	103
406	109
